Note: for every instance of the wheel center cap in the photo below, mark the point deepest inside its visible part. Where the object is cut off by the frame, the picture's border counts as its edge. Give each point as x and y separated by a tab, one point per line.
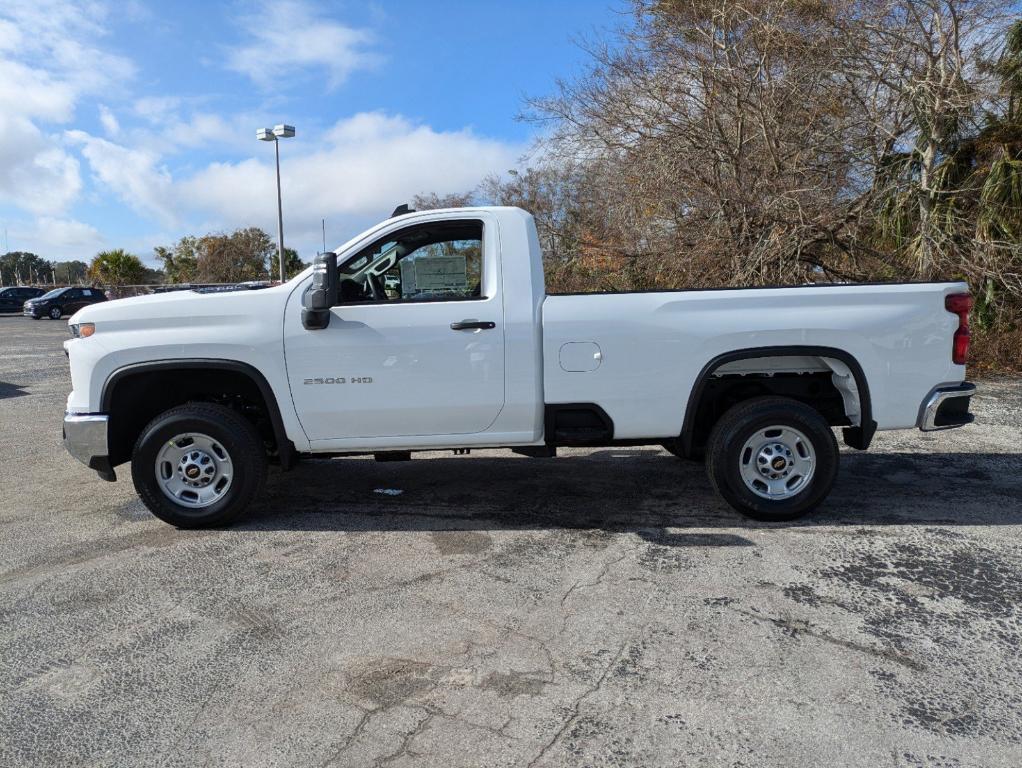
779	463
197	469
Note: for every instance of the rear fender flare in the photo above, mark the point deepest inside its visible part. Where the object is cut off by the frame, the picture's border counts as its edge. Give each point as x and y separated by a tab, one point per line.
855	437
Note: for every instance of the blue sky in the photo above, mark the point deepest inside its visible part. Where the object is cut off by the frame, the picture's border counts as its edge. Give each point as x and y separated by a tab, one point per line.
129	124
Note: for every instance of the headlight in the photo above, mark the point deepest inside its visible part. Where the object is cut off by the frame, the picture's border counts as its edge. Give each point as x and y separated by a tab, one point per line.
82	330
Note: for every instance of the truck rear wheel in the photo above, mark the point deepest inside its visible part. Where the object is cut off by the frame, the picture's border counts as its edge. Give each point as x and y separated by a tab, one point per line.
198	465
772	458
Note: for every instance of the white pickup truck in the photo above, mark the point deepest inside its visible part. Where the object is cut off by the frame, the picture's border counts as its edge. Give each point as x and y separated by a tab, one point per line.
433	330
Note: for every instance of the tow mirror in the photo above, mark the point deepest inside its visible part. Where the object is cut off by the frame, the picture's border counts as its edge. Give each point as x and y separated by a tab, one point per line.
322	294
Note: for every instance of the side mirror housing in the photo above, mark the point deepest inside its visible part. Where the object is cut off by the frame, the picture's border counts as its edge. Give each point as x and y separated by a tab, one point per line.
322	294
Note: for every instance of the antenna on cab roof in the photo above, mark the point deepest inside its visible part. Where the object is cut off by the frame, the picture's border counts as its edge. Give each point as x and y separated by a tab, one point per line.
401	210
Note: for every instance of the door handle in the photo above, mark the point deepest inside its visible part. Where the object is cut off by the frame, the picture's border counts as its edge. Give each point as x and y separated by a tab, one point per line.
471	325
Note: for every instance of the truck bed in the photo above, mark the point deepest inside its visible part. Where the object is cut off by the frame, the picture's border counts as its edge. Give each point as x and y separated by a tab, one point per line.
653	346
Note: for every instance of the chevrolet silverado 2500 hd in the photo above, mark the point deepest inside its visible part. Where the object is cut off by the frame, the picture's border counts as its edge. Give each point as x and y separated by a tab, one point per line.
432	330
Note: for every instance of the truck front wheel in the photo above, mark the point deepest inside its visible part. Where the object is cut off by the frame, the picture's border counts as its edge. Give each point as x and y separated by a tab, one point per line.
772	458
198	465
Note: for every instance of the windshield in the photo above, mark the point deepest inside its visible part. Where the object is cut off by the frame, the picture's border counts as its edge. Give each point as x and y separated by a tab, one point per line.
53	294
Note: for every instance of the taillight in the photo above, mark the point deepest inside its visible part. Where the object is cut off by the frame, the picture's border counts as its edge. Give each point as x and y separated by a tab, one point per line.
959	304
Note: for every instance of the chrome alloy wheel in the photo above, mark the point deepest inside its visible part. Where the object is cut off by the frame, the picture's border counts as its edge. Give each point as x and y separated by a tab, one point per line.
777	462
194	470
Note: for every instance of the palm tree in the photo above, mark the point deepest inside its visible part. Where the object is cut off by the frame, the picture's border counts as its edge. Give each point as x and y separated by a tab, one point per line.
117	267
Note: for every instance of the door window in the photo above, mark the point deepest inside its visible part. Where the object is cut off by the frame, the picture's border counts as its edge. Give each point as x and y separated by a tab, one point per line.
437	261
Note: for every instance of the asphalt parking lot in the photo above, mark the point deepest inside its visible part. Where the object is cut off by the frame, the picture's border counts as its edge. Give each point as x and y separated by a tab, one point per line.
600	609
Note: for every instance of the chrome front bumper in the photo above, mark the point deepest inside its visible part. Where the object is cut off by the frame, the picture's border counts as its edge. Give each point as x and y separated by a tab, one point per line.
947	407
85	437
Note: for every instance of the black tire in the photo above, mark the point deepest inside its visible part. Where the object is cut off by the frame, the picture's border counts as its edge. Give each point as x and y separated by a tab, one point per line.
739	424
234	433
55	313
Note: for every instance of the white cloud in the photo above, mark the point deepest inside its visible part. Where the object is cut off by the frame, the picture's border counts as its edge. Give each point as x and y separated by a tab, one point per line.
354	173
10	35
135	176
176	125
57	239
49	61
368	164
58	38
34	93
51	65
36	174
287	35
109	120
155	109
202	129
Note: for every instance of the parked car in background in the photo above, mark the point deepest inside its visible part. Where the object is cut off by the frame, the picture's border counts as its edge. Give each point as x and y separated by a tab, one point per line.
62	301
13	299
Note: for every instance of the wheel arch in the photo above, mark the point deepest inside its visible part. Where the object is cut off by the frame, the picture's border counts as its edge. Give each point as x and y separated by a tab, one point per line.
285	447
857	436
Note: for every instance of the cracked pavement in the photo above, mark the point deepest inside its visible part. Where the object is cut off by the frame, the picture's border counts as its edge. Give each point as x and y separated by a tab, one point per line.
600	609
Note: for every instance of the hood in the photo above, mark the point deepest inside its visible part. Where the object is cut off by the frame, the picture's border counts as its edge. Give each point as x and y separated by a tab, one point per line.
182	308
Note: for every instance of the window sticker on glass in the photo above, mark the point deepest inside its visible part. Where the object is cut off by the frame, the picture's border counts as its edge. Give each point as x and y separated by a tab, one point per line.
434	274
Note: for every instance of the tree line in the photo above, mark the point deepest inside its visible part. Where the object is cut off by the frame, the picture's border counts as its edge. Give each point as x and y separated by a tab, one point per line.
242	255
712	143
25	268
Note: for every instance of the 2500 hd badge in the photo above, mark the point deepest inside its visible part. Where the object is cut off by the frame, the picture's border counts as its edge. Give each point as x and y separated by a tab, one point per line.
341	380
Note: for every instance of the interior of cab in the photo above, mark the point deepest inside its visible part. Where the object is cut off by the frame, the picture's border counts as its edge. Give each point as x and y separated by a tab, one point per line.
435	261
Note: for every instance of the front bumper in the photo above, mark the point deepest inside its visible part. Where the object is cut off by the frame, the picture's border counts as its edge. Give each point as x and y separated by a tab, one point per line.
947	407
85	437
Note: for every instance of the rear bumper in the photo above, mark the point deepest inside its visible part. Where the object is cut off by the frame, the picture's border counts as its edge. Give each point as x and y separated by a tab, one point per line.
947	407
85	437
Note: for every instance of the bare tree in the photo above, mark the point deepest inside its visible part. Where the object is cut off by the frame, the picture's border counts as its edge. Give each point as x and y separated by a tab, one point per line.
725	135
432	201
765	141
717	142
925	57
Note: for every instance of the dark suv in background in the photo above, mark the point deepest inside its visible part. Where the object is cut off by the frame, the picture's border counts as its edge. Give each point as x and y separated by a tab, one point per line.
13	299
62	301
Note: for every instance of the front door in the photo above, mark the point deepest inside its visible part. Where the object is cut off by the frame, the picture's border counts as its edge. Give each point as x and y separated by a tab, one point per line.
11	300
71	301
390	364
76	298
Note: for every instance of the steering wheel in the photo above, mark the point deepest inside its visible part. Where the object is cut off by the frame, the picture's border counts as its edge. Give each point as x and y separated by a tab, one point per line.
375	287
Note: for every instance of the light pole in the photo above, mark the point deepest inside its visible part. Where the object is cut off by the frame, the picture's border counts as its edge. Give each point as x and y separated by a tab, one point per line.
275	134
